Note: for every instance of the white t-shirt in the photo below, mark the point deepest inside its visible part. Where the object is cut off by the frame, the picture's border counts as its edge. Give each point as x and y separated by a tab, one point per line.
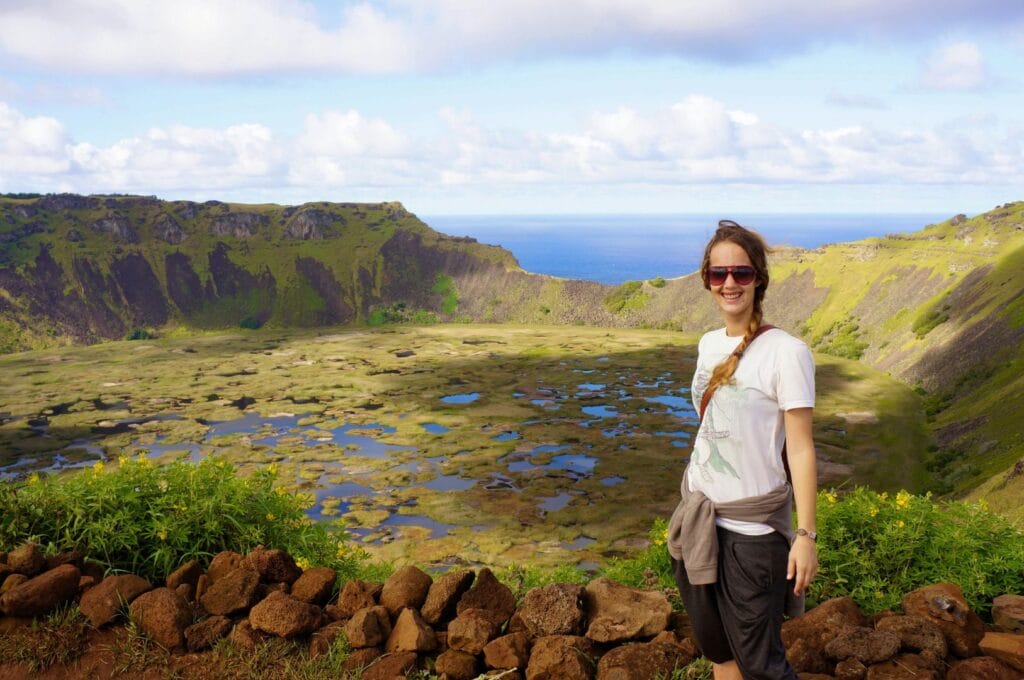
738	450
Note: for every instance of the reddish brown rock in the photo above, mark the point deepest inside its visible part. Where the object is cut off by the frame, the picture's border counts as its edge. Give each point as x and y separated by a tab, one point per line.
864	644
28	560
1008	613
263	590
244	636
40	595
508	651
555	609
456	665
407	587
944	605
357	595
163	617
187	573
851	669
641	661
75	557
231	593
201	587
390	666
916	633
334	613
618	613
686	645
13	581
185	592
284	616
103	603
204	635
222	564
443	596
904	667
411	634
982	668
563	657
472	629
359	659
322	640
315	585
368	627
84	583
273	565
805	636
489	594
1007	647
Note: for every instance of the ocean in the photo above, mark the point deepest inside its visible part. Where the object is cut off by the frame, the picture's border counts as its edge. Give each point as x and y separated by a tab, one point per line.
612	249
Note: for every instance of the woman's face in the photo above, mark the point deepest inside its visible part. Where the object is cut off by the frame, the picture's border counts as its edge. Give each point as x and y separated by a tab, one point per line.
736	302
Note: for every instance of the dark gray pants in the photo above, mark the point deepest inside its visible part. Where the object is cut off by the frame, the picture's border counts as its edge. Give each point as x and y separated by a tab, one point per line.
740	616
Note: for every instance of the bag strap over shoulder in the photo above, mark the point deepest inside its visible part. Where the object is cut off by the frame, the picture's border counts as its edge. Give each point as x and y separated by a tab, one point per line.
706	398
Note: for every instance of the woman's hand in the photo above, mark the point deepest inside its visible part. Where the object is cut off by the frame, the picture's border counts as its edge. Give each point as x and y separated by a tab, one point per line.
803	563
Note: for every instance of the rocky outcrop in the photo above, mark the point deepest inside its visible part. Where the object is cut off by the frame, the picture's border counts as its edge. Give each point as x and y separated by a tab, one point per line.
241	225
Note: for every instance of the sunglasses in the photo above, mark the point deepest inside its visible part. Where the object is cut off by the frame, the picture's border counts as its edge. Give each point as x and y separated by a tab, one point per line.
743	275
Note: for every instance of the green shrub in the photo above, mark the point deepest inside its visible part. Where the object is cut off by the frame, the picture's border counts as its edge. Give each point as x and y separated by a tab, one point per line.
875	548
628	297
139	334
148	519
842	340
924	324
657	282
250	323
445	287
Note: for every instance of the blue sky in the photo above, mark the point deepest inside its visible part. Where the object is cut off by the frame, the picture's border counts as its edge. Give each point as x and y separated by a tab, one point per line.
523	106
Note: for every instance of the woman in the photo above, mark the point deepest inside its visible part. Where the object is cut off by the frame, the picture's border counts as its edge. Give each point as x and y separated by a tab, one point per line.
738	562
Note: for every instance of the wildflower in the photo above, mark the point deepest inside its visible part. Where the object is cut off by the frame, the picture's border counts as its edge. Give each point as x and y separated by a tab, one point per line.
33	478
342	551
983	504
902	500
162	534
831	497
884	496
97	467
162	485
302	563
873	511
272	469
901	524
123	459
270	517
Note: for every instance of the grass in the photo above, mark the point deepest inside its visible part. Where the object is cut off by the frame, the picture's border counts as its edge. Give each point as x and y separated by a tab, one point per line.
56	640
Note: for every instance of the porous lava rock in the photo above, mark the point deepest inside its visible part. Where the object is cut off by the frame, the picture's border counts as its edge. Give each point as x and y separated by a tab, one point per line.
864	644
163	617
40	595
368	627
563	657
27	559
490	594
443	596
905	667
555	609
222	564
204	635
805	636
617	613
1007	647
359	659
187	573
284	616
508	651
916	633
641	661
472	629
356	595
321	641
456	665
982	668
411	634
244	636
1008	613
851	669
273	565
104	602
390	666
407	587
315	585
944	605
232	593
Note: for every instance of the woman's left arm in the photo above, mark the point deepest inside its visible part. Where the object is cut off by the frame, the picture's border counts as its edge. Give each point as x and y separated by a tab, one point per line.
803	556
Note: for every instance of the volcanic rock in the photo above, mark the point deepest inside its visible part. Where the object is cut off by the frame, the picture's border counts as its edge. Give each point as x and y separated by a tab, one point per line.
102	603
618	613
163	617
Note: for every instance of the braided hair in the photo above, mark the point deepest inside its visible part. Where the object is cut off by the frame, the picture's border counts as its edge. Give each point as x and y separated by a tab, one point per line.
757	250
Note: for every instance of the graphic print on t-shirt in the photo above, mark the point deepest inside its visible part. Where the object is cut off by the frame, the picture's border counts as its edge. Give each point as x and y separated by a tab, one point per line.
724	405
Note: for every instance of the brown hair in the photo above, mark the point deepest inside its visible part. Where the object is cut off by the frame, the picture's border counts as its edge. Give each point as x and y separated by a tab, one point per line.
757	250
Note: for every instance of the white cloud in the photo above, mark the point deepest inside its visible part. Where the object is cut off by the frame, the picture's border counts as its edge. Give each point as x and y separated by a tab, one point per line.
698	141
855	101
228	37
960	66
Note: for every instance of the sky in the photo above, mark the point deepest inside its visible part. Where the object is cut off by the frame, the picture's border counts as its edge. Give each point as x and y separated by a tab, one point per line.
520	106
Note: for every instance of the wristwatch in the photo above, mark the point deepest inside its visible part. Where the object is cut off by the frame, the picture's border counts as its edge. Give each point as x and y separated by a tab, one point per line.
813	535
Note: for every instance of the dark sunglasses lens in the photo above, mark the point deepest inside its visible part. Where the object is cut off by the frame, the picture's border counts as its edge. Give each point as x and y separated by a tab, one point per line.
716	275
744	276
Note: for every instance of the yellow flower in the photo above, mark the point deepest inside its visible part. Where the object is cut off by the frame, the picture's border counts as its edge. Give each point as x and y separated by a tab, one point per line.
270	517
123	459
33	478
97	467
902	500
831	497
873	511
272	469
342	550
884	496
901	524
162	534
302	563
983	504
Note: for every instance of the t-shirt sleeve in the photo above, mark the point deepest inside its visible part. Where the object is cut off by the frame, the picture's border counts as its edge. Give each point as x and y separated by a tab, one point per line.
796	377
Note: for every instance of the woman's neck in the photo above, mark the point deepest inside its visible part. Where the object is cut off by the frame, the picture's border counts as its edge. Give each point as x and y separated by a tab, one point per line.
736	328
